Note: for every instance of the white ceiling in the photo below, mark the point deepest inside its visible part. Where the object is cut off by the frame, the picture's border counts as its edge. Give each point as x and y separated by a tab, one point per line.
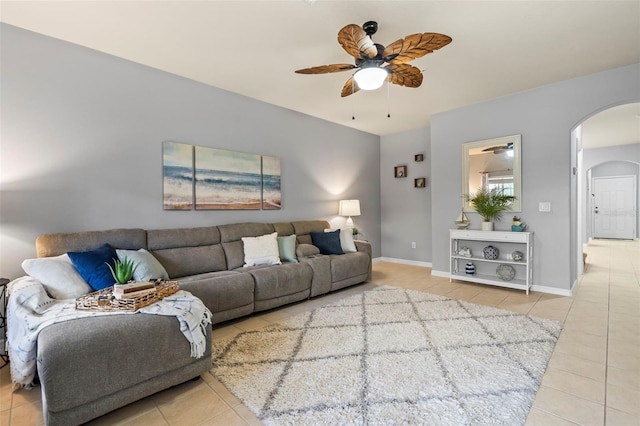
254	47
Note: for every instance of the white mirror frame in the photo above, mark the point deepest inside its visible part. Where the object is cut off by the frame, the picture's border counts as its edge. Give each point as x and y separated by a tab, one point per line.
517	171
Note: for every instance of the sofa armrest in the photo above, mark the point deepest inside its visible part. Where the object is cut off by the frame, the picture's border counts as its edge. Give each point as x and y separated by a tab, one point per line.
306	250
364	246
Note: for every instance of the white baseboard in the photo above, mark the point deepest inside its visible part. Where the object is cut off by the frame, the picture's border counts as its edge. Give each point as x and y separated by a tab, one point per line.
443	274
403	261
551	290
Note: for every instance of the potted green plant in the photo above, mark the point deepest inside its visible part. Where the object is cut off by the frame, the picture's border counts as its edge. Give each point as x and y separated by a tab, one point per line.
123	269
490	204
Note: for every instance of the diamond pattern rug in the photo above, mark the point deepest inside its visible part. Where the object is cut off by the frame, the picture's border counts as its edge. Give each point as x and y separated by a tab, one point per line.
390	356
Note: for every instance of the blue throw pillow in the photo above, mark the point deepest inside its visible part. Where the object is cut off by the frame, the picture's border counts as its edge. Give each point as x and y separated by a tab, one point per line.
327	242
91	265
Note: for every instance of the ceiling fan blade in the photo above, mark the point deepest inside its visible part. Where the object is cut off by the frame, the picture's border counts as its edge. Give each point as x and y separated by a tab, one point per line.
356	42
496	149
325	69
404	75
350	87
414	46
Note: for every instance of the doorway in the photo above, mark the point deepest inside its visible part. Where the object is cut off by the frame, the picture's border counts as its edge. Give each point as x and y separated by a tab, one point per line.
614	207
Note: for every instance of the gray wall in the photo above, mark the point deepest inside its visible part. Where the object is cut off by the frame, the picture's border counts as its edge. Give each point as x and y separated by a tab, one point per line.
544	117
405	210
612	161
82	140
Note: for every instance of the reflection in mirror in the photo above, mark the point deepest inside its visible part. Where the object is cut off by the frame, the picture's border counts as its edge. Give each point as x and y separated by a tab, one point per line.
492	164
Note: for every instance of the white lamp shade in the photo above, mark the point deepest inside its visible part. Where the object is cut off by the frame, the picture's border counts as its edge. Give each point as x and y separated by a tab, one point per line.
370	78
349	208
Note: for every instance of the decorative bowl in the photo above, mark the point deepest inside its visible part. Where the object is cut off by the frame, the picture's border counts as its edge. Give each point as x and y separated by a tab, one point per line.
506	272
518	228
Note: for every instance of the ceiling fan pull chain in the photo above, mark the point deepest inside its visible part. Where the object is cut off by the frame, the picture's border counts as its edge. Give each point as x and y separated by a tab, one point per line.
353	100
388	97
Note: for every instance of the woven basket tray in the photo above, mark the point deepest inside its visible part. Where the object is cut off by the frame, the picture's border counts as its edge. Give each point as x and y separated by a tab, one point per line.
104	300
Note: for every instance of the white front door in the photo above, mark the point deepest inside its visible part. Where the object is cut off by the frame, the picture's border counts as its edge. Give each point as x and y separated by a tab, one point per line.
614	207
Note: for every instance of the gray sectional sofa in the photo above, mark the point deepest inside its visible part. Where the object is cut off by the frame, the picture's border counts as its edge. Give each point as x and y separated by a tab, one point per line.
90	366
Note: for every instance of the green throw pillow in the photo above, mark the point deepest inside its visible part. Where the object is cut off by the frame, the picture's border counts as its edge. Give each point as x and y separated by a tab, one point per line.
287	248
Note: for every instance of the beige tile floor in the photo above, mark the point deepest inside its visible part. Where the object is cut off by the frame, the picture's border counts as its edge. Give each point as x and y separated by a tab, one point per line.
593	376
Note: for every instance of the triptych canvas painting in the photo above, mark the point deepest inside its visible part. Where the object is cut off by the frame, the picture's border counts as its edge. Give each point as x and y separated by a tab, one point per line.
218	179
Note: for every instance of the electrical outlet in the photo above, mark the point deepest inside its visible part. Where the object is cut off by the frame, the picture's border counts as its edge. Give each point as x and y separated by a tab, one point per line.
544	206
413	244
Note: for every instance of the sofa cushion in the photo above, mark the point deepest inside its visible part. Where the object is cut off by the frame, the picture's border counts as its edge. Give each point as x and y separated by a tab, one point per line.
221	291
304	227
349	265
187	251
185	261
146	267
283	229
327	242
92	265
306	250
231	237
159	239
282	280
235	231
77	360
262	250
287	248
58	276
48	245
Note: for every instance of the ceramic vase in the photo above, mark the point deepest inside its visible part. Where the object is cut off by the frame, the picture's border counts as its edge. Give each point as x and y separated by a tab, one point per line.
491	252
470	268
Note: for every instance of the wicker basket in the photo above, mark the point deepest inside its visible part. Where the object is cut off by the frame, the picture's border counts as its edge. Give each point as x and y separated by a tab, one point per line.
104	300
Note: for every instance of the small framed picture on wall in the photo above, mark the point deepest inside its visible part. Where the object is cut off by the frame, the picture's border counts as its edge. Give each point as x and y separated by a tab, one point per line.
418	158
400	171
420	182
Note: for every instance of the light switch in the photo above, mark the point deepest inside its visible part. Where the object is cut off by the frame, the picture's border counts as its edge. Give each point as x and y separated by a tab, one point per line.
544	206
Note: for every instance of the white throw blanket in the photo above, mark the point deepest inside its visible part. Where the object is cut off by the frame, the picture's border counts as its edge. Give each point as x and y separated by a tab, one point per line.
30	309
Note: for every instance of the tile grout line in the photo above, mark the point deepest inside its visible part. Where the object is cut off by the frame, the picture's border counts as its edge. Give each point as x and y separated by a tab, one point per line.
606	356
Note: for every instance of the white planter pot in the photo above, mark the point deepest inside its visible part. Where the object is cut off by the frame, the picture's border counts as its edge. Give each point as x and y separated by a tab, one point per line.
487	226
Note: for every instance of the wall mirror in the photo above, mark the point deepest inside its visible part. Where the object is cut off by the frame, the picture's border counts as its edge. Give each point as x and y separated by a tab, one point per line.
492	163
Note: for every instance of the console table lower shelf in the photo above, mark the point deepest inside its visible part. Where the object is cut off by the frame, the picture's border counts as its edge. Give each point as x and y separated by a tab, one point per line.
517	284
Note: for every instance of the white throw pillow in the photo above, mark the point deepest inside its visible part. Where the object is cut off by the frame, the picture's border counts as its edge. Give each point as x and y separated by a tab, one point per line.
147	266
58	276
346	240
261	250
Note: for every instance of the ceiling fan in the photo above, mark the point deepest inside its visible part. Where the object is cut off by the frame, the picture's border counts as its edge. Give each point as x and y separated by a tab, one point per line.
375	63
499	148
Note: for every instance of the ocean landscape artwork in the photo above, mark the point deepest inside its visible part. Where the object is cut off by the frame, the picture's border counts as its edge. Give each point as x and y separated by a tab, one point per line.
271	193
227	180
177	166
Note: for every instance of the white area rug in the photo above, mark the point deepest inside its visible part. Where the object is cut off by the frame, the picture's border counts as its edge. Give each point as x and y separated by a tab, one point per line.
390	356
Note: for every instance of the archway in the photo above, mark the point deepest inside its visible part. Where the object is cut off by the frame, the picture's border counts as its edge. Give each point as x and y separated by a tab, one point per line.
605	138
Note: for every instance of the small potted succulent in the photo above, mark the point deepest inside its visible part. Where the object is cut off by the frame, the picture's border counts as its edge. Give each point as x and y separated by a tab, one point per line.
490	204
123	270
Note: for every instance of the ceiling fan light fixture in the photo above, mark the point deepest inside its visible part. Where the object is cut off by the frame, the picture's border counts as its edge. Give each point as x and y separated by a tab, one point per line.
370	78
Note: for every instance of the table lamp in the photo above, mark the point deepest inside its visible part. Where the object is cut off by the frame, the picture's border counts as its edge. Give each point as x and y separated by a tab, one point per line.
349	208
